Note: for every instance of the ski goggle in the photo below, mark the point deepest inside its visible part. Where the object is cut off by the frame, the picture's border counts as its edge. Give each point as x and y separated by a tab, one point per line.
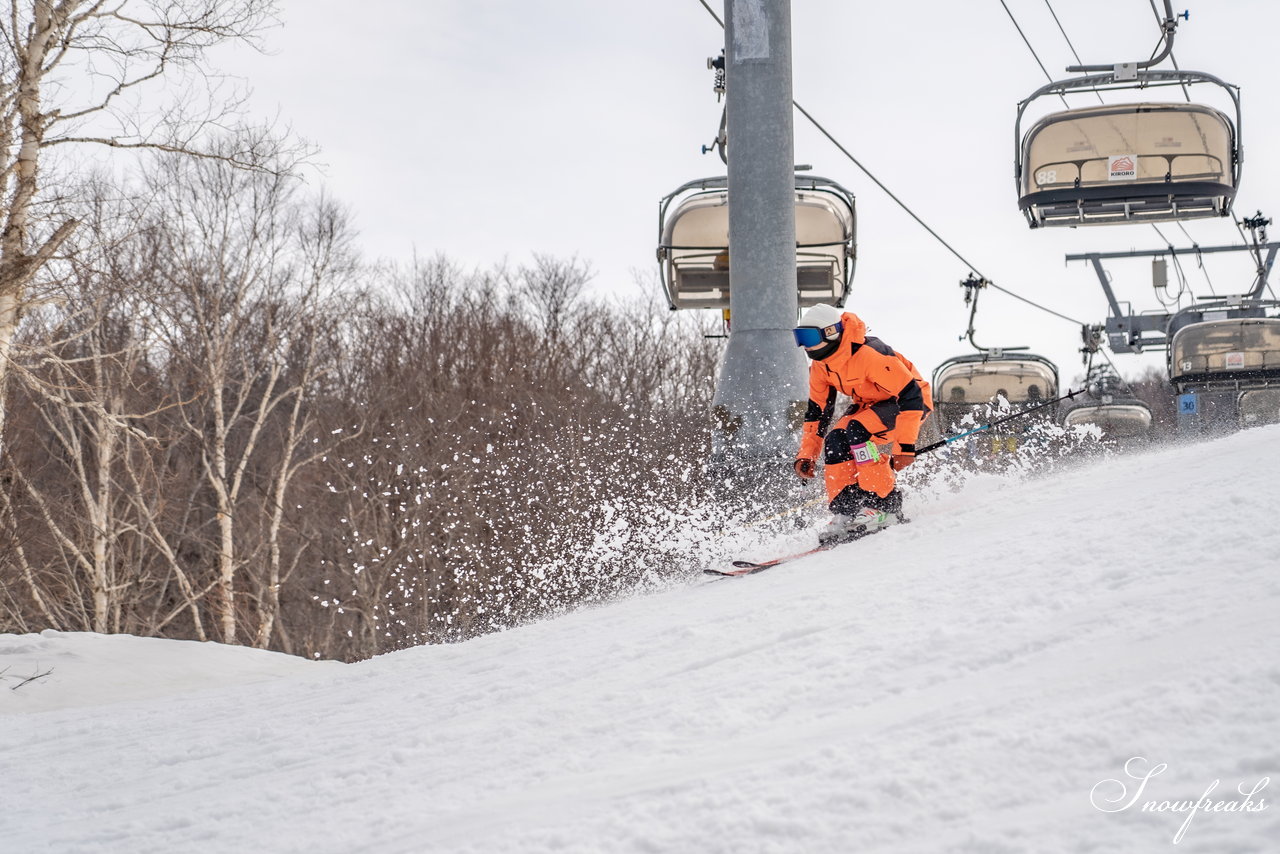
812	336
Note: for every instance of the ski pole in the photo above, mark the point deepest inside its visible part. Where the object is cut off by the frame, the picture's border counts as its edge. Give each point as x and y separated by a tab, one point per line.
949	439
927	448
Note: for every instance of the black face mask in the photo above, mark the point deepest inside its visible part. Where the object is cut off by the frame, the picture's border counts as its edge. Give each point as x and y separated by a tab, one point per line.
820	353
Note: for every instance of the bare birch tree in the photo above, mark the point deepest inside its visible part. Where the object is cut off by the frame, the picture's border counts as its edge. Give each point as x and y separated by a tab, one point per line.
93	72
245	319
92	387
309	344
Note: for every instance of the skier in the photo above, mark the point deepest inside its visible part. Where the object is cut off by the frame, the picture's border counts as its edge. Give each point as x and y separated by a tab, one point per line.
875	437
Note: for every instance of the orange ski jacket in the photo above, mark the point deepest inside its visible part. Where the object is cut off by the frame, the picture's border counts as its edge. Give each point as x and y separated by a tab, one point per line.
889	396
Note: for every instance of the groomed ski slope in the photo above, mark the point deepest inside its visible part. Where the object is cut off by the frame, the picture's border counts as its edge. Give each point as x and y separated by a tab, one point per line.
960	684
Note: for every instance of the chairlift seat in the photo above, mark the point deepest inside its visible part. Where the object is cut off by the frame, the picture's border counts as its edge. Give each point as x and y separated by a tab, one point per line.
693	248
1117	163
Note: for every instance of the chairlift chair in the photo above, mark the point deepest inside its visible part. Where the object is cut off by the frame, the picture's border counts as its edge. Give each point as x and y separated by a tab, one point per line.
693	242
1118	421
1225	369
1126	163
968	383
1106	404
1235	350
1258	407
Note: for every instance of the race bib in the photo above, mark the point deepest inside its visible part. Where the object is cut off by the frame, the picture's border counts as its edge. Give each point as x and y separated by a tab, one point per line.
867	452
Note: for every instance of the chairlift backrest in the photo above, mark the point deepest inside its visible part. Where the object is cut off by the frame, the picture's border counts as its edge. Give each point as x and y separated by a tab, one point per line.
1236	347
969	383
970	380
1258	407
693	243
1117	420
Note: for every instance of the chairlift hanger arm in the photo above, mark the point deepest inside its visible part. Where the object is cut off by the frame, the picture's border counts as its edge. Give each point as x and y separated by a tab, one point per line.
973	286
1168	27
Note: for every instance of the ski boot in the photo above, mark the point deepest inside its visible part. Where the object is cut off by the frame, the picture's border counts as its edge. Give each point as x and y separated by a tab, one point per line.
846	529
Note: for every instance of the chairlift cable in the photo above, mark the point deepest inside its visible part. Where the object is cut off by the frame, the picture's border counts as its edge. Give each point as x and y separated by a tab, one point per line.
922	223
1067	38
903	204
881	185
711	12
1064	32
1199	257
1035	55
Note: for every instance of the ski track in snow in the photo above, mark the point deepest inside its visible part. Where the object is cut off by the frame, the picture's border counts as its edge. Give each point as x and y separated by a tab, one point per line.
958	684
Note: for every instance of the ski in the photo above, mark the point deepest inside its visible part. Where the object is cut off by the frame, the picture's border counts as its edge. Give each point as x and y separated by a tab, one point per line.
746	567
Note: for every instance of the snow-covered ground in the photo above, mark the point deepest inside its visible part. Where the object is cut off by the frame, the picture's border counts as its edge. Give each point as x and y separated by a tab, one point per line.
978	681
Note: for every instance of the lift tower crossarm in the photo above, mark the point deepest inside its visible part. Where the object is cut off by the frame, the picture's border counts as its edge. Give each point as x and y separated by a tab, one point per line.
1259	285
1125	329
1168	250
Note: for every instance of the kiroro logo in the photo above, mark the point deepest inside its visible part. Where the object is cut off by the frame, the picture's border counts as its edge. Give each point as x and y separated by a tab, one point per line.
1121	167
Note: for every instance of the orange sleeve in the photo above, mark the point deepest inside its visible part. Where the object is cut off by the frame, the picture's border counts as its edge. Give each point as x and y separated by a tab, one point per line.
810	442
907	430
816	415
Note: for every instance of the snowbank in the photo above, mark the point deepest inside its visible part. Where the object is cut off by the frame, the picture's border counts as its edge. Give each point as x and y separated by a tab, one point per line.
978	681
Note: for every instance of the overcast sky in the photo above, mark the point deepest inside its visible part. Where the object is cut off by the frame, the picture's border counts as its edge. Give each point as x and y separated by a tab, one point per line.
486	129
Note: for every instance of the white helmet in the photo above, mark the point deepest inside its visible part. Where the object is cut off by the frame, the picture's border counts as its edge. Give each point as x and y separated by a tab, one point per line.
819	331
820	315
